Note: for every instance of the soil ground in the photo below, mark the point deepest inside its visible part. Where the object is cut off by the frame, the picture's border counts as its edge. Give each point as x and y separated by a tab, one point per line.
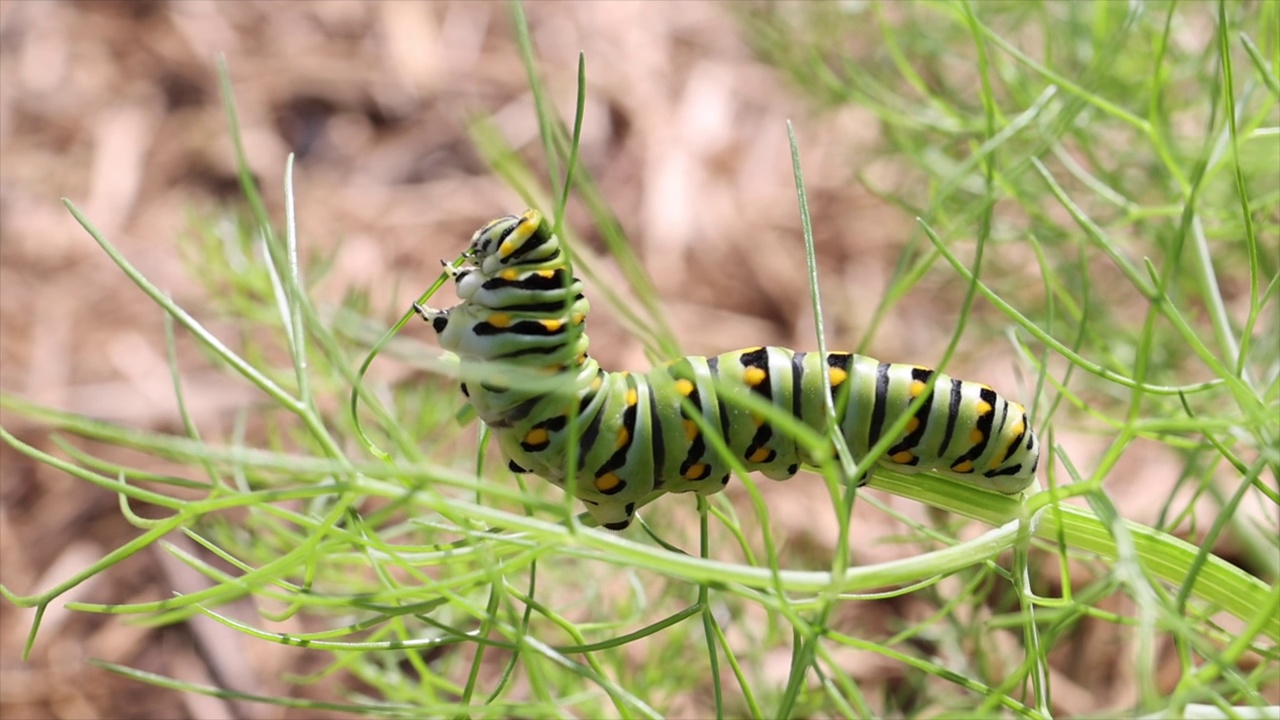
116	106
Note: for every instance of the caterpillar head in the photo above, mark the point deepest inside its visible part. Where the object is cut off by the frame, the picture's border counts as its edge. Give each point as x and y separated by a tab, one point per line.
512	240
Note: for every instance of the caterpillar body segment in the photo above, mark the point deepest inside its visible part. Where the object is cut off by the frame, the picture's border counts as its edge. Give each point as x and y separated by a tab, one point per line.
520	333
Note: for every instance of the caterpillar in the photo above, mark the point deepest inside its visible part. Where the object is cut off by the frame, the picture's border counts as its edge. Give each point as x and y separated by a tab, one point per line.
520	333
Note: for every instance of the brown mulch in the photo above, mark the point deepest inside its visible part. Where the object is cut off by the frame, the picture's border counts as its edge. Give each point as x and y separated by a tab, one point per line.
116	106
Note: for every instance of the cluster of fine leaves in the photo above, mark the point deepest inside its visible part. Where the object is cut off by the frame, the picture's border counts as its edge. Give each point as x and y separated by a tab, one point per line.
450	587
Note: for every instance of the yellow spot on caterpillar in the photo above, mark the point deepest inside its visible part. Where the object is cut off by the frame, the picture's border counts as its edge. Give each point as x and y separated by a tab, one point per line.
582	357
695	471
964	467
1015	434
690	430
982	408
758	420
913	424
975	436
552	325
752	349
632	397
537	436
760	455
1018	409
578	318
624	437
546	274
754	376
597	382
837	376
499	320
510	245
607	482
509	274
684	387
917	388
902	458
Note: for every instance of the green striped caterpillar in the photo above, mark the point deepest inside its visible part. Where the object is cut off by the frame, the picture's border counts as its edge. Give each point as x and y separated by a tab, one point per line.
520	334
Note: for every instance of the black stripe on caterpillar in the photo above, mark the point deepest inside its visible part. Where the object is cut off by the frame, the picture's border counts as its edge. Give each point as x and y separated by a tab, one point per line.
521	336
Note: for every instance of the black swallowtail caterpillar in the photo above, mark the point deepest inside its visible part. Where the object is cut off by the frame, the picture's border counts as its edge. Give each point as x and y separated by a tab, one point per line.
520	334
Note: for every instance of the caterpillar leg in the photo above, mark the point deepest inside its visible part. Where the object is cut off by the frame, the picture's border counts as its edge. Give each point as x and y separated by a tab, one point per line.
438	319
781	474
455	273
611	516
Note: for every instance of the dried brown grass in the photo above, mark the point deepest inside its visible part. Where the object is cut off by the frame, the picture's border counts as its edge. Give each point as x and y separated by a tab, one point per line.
115	105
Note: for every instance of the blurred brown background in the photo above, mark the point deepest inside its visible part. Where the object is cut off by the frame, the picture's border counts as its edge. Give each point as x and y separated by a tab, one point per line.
115	106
